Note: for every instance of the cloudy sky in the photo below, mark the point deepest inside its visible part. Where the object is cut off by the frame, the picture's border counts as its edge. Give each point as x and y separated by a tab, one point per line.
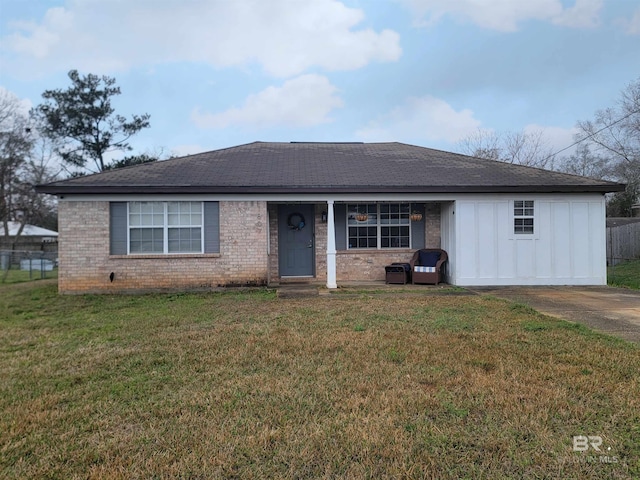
218	73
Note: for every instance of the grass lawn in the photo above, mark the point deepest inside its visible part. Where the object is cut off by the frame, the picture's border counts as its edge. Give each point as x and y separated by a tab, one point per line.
17	276
625	274
247	385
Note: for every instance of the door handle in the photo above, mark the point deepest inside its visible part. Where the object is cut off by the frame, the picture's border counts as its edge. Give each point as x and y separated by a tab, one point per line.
310	244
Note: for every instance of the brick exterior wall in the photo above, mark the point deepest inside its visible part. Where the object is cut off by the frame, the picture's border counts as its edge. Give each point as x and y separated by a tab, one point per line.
85	263
432	225
368	265
274	278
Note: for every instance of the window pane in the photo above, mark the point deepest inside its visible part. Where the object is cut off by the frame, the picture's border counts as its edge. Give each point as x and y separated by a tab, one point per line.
173	207
523	225
518	208
145	240
394	213
184	214
134	219
196	207
362	237
394	237
523	208
158	219
146	207
184	240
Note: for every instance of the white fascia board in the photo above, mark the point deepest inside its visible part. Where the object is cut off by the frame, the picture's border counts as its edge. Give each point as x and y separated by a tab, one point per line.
323	198
275	198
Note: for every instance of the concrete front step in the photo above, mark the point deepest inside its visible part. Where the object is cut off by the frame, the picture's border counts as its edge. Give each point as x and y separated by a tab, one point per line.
297	291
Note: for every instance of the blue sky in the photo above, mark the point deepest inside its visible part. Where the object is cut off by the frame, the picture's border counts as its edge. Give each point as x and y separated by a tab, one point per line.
218	73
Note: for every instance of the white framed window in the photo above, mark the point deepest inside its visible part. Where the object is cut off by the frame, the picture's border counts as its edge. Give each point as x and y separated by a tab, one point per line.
378	225
523	217
165	227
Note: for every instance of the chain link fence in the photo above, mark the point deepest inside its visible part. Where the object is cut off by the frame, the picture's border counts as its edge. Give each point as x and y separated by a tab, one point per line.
25	265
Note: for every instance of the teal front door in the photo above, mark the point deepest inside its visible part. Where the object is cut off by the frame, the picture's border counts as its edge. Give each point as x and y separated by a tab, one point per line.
296	240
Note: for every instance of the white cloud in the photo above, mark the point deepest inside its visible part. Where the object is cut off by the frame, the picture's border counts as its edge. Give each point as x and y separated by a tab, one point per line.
632	26
45	37
585	13
425	118
285	37
505	15
300	102
556	138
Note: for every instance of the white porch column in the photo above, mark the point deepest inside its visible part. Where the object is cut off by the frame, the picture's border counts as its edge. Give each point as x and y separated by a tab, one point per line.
331	247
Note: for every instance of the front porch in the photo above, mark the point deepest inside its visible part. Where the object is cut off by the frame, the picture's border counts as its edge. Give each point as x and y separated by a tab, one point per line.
329	235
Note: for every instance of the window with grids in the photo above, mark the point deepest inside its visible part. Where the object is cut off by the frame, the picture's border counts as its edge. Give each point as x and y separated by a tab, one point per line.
383	225
523	216
165	227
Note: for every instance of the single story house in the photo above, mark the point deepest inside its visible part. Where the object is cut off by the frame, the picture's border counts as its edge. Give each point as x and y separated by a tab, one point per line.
329	213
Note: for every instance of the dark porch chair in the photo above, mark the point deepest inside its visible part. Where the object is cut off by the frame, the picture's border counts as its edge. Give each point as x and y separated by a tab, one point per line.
427	265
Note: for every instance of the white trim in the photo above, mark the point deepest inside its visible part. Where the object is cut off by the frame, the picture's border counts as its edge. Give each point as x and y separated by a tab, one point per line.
319	198
331	247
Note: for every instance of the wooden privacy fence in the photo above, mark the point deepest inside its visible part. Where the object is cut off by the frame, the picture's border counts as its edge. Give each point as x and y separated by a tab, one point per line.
623	243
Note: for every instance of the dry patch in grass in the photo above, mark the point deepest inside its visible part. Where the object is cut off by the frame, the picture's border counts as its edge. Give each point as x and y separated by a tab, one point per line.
364	386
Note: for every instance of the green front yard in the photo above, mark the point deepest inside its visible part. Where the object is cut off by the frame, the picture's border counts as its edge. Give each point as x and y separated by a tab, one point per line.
625	274
17	276
248	385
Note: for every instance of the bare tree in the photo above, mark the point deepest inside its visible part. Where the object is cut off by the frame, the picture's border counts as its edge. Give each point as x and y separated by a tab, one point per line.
482	144
15	147
522	148
25	160
585	163
42	166
614	134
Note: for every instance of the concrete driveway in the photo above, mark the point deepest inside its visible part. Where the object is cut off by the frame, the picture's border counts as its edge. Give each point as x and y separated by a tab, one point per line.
615	311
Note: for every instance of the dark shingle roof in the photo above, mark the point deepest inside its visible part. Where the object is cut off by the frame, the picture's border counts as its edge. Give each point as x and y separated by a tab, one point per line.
263	167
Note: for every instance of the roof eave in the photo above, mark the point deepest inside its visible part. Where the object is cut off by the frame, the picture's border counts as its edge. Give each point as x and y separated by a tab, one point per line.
201	189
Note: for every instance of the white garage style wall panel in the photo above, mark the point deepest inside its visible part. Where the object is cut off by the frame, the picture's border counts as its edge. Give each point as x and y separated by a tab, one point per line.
561	240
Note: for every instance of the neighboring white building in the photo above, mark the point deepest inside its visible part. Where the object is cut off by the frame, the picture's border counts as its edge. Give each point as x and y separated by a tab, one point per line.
30	231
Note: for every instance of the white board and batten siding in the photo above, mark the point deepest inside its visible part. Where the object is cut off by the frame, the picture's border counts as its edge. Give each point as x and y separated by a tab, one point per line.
568	246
